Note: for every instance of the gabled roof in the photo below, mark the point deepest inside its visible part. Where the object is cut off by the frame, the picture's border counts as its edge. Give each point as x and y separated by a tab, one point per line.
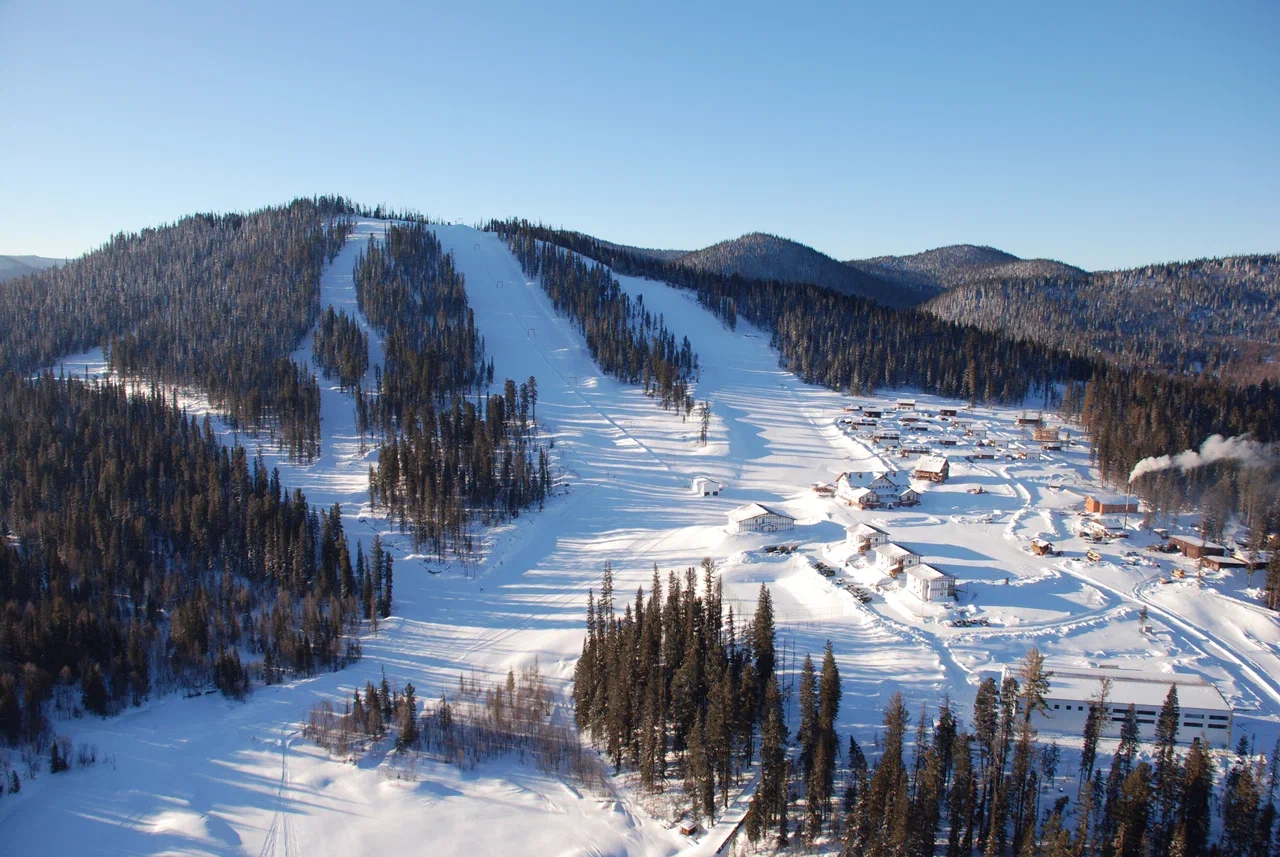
863	478
754	510
931	464
892	551
862	529
926	572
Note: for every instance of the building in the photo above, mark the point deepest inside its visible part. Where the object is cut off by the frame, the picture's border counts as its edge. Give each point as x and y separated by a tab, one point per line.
1046	434
862	498
976	432
1029	454
894	559
1194	547
906	404
755	518
928	584
1028	420
934	468
1253	559
909	497
1040	547
946	412
864	537
872	412
882	484
1110	504
1224	563
705	486
1203	712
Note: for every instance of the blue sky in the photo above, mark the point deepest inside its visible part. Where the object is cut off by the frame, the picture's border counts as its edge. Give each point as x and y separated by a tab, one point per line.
1104	134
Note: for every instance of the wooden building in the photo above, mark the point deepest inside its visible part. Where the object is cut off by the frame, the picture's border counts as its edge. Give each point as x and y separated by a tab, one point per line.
1110	504
1194	547
933	468
894	559
864	537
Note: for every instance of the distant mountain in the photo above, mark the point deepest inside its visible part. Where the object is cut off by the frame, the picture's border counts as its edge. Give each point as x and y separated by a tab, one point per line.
1217	316
768	257
945	267
17	266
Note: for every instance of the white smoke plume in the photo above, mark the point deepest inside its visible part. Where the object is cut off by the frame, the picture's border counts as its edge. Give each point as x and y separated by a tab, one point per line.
1217	448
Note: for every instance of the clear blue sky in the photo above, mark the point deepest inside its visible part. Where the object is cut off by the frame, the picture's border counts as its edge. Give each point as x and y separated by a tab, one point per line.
1105	134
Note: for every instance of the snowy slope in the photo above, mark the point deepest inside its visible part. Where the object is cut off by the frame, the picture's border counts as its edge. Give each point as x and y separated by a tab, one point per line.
211	776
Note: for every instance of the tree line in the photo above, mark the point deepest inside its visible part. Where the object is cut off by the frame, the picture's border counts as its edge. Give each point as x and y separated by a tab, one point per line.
142	554
625	340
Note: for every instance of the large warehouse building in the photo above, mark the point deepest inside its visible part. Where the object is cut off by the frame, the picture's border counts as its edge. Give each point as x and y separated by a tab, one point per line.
1203	712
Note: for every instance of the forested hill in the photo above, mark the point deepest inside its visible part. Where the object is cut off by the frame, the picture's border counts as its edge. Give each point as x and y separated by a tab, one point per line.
18	266
1211	316
759	256
213	301
946	267
849	343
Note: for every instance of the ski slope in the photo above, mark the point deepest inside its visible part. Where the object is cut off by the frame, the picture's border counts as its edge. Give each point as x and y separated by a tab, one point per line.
210	776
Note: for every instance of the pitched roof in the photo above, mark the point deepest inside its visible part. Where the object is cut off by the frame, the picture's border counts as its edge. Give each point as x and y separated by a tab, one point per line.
926	572
931	464
754	510
892	551
862	529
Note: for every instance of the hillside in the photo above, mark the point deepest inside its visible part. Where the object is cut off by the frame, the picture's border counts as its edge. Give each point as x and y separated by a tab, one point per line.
761	256
1207	315
18	266
945	267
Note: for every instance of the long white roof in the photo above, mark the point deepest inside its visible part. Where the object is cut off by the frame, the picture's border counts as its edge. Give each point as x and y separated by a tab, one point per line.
931	464
926	572
1143	688
754	510
892	551
864	529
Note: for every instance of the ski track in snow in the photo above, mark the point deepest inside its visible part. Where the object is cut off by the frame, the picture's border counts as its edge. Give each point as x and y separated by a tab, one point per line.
211	776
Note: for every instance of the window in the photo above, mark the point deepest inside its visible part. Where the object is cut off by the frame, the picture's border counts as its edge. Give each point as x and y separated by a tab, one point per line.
1219	717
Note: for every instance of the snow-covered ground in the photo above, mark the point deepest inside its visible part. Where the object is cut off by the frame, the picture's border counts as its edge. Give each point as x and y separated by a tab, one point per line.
210	776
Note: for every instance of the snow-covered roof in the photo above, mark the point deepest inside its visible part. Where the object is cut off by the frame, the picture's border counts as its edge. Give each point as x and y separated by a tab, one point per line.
1196	542
861	529
926	572
1112	499
863	478
1145	688
859	493
704	480
931	464
892	551
754	510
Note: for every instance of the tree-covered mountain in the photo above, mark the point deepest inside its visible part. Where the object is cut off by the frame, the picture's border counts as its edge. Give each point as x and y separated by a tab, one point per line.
12	267
946	267
759	256
1213	316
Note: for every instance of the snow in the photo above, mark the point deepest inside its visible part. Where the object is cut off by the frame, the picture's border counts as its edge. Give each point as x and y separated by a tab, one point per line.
207	775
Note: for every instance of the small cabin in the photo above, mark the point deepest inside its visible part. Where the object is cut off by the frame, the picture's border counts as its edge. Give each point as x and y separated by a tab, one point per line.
1029	420
906	404
946	412
873	413
705	486
1046	434
909	497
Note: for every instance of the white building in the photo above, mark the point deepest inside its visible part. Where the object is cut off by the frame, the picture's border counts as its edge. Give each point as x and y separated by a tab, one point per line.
864	537
755	518
881	484
928	584
1202	711
705	486
894	559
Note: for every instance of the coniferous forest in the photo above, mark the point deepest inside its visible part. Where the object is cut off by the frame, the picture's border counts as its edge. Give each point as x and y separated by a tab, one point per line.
216	302
626	341
447	461
341	348
671	689
142	554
